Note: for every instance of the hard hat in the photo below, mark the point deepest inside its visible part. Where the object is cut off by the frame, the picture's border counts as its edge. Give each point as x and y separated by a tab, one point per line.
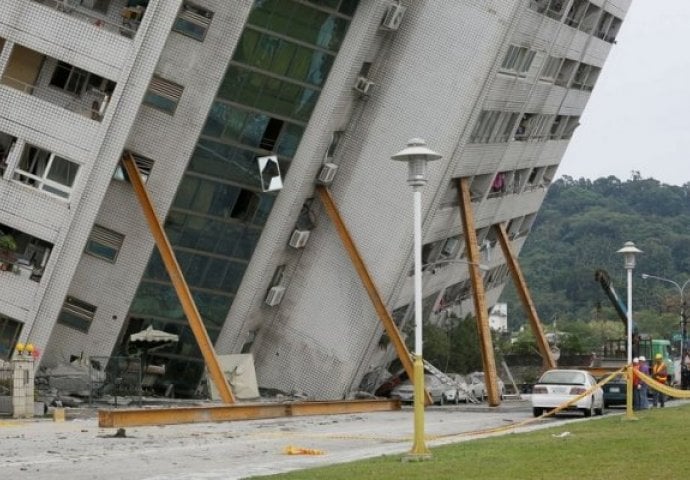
658	356
642	358
636	360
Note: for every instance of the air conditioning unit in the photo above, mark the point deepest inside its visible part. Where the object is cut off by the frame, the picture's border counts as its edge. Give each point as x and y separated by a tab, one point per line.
299	238
363	85
275	295
393	17
326	174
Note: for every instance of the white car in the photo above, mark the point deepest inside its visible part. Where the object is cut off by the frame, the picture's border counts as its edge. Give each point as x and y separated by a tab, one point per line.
558	387
405	391
478	386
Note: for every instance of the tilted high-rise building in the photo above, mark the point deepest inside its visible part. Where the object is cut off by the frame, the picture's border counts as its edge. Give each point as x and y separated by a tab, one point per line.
196	90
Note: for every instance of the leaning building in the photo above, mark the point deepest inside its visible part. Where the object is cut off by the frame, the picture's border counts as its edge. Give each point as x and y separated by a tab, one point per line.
197	90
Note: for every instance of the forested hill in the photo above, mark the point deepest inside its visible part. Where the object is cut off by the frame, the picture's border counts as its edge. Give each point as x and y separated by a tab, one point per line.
578	230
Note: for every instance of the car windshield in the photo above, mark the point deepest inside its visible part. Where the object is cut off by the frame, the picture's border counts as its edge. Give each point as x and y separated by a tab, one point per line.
562	377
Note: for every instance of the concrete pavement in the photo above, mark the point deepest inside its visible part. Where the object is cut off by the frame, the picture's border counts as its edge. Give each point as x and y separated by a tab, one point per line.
79	450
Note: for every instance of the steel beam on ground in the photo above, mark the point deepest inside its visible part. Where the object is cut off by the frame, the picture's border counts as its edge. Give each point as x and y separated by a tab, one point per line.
369	285
225	413
480	307
525	297
178	281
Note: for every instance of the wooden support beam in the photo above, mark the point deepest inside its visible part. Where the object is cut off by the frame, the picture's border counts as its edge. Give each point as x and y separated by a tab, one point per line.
225	413
178	281
357	261
480	307
525	297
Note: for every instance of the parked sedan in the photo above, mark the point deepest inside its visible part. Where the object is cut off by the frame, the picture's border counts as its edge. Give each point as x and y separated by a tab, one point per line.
615	391
478	386
437	389
557	387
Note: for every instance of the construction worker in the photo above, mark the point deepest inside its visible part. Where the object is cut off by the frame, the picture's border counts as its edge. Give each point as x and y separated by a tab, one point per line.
637	387
660	374
644	368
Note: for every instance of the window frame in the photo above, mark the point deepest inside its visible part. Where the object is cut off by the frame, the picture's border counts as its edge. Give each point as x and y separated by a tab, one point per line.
188	15
74	311
107	238
42	182
163	89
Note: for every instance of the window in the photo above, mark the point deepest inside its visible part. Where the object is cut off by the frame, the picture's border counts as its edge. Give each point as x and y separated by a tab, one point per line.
104	243
69	78
570	126
485	126
245	206
576	13
163	94
76	314
585	77
518	59
9	334
565	73
193	21
550	68
335	140
46	171
143	164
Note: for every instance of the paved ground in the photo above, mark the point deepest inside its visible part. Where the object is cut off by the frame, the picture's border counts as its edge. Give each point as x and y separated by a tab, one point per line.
77	449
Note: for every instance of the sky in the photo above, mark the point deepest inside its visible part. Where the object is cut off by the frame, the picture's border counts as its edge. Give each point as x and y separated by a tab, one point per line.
638	117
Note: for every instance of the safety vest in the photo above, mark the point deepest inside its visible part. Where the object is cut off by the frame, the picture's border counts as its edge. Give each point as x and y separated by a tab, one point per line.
659	372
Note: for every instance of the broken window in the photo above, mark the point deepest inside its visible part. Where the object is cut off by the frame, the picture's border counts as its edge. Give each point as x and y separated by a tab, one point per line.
271	133
245	206
76	314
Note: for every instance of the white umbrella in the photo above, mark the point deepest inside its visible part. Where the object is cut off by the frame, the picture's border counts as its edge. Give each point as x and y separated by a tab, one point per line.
153	336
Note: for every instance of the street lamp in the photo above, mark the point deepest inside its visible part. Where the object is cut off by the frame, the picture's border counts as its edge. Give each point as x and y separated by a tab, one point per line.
629	251
683	316
417	155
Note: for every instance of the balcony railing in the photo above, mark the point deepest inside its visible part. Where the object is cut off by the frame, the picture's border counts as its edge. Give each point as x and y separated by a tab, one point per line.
91	104
117	16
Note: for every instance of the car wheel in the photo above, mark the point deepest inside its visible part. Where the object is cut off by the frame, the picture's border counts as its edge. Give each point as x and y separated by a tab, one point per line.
588	411
536	411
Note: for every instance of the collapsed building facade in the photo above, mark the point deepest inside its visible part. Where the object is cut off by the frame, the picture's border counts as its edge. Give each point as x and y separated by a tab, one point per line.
198	90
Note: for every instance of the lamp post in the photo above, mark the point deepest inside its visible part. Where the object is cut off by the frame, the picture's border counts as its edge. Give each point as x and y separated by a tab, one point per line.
629	251
683	316
417	155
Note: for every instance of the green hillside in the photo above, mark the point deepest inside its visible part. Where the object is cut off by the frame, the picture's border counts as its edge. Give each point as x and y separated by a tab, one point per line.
578	230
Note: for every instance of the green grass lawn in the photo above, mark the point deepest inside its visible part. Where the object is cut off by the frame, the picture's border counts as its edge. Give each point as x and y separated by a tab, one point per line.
656	447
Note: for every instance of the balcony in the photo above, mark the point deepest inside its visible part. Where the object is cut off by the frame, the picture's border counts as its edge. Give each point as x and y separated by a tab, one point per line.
119	16
58	82
22	255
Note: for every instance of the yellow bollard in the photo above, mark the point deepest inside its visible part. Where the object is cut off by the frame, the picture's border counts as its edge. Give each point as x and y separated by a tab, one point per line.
59	415
629	415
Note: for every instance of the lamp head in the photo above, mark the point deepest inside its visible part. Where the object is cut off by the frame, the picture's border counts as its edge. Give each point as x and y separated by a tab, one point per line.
416	155
629	251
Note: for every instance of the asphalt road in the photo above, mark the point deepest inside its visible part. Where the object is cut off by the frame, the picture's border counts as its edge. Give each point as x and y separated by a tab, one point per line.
77	449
